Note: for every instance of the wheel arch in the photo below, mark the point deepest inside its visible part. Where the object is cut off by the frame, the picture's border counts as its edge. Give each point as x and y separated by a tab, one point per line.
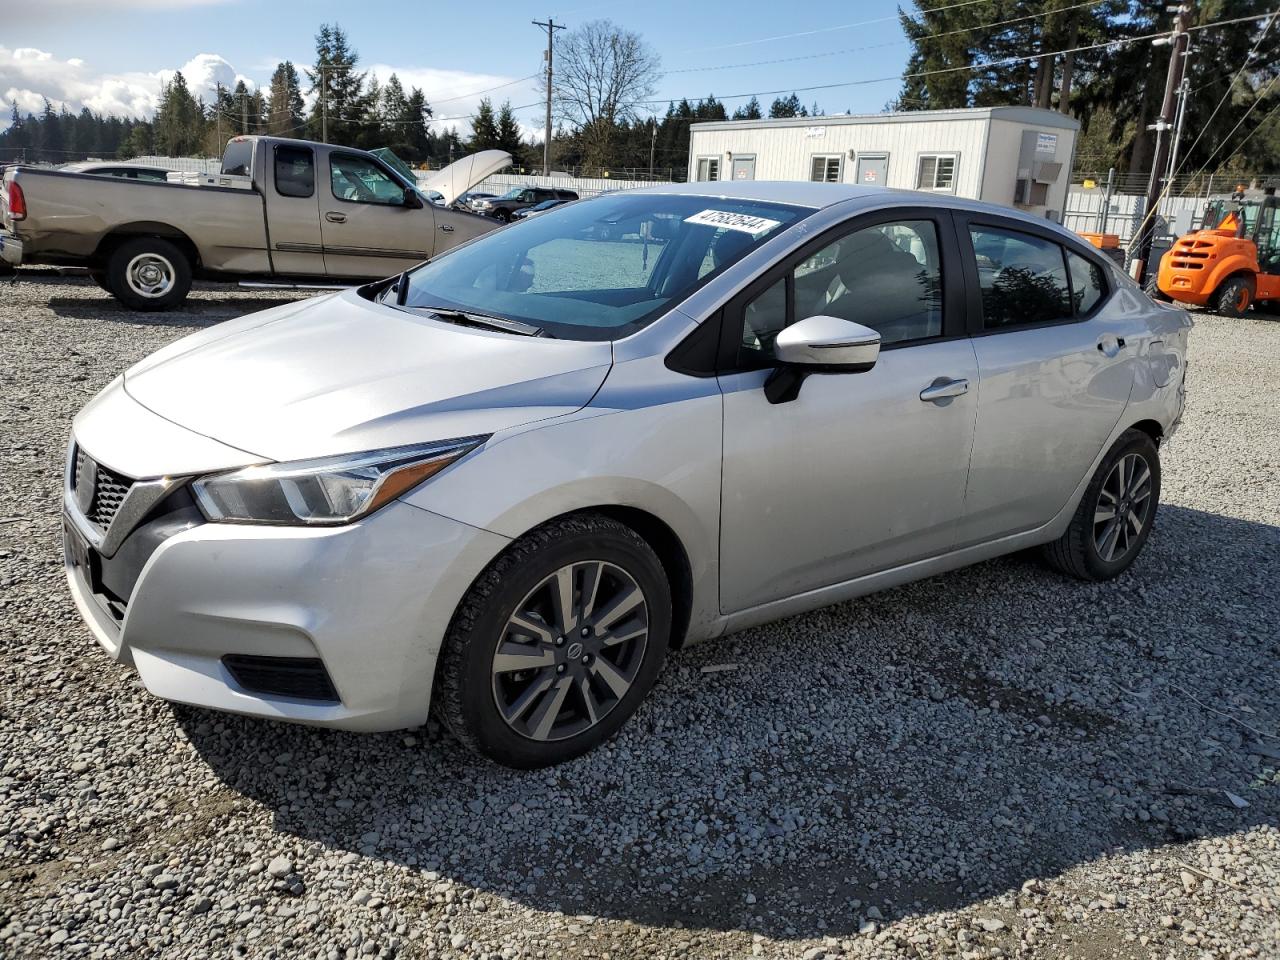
147	228
1151	428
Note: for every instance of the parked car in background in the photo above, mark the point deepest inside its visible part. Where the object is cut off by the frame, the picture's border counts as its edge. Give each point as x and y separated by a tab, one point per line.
125	171
507	482
519	198
472	196
285	211
538	208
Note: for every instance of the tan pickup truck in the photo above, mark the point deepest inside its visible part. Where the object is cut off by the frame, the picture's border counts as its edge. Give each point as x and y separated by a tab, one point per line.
283	211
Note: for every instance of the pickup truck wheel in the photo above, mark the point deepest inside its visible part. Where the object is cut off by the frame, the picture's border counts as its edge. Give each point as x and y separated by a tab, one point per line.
149	274
503	215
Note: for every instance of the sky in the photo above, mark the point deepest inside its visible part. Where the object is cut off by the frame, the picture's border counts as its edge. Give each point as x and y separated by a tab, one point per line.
113	55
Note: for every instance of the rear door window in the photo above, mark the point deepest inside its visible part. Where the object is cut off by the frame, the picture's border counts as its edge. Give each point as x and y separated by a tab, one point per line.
1023	278
295	171
1087	284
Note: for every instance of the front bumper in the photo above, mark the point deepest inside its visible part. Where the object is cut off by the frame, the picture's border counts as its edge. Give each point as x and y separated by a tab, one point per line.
10	249
371	601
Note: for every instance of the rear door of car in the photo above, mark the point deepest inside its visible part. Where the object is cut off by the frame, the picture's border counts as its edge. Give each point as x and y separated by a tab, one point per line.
368	229
293	210
1055	368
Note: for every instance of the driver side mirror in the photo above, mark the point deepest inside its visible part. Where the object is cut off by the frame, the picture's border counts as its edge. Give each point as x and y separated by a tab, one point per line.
411	199
819	344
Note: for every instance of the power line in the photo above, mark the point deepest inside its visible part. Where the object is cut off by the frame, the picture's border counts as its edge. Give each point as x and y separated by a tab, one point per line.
1006	61
465	96
1261	123
888	43
842	26
1227	93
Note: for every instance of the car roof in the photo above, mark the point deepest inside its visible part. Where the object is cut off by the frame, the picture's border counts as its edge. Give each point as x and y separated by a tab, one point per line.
817	196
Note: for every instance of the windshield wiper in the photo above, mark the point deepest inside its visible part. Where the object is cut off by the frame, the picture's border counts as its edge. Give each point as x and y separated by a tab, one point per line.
467	318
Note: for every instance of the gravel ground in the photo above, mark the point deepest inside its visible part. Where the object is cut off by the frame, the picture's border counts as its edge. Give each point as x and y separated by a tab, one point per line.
997	762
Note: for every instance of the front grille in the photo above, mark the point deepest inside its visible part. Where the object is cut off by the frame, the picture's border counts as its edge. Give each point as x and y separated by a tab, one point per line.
109	489
303	678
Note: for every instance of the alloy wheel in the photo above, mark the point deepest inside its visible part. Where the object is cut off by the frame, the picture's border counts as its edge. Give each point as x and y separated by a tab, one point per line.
150	275
570	651
1124	504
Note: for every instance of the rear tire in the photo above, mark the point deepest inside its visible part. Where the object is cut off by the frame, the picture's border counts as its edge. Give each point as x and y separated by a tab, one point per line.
1232	298
148	273
587	670
1115	515
1152	287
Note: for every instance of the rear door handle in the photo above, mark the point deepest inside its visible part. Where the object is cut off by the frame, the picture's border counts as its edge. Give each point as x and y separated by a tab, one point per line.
944	388
334	217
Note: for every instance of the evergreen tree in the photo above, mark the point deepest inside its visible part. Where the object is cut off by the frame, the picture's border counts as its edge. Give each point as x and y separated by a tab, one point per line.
338	88
50	138
484	128
284	104
509	137
179	122
414	131
751	111
787	107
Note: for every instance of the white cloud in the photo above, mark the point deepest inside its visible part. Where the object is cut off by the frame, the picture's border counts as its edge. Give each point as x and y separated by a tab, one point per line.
28	76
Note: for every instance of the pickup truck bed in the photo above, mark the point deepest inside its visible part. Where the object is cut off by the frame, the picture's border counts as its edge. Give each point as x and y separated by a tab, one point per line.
283	210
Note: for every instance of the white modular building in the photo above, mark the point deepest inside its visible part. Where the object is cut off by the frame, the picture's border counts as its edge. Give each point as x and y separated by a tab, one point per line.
1016	156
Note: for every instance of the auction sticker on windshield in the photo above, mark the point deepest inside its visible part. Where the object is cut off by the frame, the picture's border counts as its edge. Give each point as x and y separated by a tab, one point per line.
729	220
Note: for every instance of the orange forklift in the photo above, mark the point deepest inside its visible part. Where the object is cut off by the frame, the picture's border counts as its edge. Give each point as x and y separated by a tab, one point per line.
1232	266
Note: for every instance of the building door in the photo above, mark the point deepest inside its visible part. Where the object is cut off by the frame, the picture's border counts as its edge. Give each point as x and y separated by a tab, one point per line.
744	168
873	169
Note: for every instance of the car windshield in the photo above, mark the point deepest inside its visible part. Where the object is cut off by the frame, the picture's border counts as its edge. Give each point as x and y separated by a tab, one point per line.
512	194
599	269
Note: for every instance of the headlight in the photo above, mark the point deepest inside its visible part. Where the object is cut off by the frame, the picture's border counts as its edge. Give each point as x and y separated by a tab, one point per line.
327	491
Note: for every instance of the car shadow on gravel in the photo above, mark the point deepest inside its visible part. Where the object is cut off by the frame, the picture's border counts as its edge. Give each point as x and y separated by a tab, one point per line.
905	753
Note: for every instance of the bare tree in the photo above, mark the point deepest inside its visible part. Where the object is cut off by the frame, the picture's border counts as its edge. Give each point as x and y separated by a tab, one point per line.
601	71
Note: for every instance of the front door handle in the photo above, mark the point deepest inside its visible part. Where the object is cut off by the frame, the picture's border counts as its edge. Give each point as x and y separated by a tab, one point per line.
447	227
334	217
944	388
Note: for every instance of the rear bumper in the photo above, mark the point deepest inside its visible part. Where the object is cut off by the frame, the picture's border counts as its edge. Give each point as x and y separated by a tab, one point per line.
10	248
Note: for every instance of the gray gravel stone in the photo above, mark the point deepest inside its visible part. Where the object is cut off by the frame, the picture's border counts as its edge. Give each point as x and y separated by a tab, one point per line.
994	744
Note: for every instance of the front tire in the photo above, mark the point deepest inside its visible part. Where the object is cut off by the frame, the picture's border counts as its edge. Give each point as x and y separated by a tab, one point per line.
503	216
1232	298
555	644
148	273
1116	513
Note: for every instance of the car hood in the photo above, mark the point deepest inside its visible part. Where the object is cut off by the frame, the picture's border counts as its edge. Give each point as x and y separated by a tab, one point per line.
340	374
461	175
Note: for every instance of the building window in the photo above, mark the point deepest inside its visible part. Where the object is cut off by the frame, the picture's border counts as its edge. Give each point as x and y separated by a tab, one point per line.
708	168
826	168
937	171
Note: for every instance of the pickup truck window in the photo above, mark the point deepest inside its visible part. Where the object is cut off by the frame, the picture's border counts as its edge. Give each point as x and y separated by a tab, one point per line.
359	180
295	172
237	161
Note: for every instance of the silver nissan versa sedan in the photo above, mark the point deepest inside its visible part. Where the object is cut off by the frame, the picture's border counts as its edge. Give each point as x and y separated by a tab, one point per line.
507	482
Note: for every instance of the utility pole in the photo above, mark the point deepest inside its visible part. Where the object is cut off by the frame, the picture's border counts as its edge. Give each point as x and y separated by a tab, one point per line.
1178	42
653	145
244	113
324	108
551	27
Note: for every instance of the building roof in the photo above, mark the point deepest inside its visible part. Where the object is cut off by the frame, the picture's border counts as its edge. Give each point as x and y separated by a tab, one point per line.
1033	116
